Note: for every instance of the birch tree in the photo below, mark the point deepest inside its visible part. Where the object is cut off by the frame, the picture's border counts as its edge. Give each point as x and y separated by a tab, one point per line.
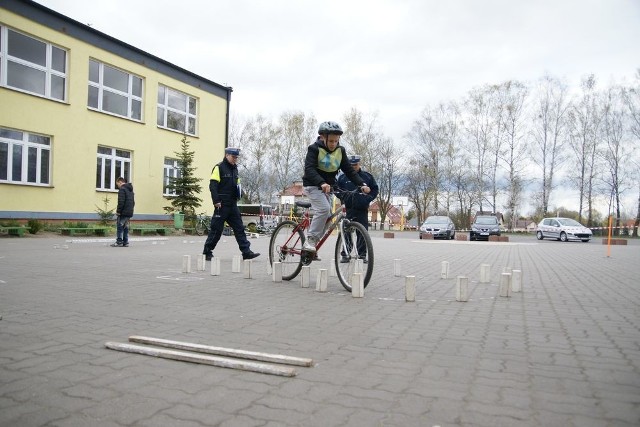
585	119
549	133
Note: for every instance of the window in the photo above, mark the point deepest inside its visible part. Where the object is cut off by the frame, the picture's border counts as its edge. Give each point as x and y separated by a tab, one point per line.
171	170
176	110
32	65
112	163
25	158
114	91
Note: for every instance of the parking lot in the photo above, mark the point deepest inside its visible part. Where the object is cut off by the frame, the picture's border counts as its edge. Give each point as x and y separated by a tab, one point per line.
563	352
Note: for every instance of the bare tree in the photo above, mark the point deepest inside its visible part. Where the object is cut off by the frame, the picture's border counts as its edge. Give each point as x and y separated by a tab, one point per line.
632	101
387	163
479	128
549	133
585	120
257	178
434	139
416	187
515	150
295	132
362	136
616	153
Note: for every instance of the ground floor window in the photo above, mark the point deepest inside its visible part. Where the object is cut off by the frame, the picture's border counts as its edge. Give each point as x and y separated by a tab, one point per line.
112	163
25	158
171	170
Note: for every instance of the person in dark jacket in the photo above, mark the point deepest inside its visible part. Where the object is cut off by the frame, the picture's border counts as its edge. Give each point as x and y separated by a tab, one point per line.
124	212
357	204
325	158
224	186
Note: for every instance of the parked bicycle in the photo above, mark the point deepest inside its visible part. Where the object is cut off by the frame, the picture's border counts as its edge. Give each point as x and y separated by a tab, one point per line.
353	243
203	222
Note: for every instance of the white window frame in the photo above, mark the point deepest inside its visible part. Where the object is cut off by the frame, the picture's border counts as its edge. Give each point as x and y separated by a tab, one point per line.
123	163
47	69
101	87
163	110
25	144
170	171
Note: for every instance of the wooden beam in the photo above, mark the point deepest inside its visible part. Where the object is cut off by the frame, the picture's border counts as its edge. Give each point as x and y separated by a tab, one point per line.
220	351
222	362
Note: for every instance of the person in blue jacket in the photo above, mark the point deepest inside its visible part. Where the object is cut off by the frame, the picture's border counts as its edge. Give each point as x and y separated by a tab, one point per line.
357	203
124	210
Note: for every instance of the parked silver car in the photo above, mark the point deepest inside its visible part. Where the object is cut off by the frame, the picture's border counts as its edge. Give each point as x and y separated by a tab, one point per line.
441	227
563	229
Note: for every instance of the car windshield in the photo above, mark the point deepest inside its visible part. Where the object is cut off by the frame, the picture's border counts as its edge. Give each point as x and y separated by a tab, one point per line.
487	220
436	220
569	222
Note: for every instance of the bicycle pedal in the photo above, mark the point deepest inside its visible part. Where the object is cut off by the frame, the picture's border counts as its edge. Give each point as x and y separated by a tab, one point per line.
307	257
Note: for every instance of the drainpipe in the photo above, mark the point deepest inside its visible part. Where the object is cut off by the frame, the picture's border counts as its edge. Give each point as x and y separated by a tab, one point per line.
226	137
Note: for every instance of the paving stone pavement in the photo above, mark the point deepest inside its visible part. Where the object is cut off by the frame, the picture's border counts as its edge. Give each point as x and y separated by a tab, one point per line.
564	352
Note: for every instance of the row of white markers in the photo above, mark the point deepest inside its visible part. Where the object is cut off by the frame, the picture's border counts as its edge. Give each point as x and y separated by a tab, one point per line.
510	280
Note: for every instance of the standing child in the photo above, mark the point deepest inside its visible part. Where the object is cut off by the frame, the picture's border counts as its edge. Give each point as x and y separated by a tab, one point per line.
124	210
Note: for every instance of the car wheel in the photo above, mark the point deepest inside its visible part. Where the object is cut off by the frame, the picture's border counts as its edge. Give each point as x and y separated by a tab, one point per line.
453	236
563	237
420	236
539	235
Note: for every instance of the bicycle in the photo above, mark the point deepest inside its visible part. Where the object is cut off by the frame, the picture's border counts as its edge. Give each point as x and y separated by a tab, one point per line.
203	222
288	237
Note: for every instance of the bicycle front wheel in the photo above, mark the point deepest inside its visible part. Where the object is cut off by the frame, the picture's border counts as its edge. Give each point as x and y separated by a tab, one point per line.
355	244
200	227
285	247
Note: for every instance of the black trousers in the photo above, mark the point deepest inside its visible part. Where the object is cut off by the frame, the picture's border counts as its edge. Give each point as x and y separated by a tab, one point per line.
230	214
361	216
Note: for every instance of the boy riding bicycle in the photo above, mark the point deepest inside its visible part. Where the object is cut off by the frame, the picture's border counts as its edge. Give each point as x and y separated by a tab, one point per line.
325	157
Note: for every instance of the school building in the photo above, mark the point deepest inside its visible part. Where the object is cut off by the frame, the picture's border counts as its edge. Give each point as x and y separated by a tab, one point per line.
79	108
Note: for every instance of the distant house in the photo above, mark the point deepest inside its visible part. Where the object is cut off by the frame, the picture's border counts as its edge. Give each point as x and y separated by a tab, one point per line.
524	225
289	196
393	217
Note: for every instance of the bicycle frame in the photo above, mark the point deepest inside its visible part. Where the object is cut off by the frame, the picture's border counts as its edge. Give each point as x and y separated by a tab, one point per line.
286	245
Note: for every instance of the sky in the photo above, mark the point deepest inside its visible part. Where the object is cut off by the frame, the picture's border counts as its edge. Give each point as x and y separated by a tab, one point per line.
386	57
390	58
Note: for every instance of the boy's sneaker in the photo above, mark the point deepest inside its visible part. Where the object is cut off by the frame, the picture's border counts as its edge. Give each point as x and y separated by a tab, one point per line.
309	244
344	259
250	255
125	245
116	245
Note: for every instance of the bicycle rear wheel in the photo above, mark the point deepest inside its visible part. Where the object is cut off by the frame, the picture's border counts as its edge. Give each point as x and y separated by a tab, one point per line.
200	226
285	247
357	246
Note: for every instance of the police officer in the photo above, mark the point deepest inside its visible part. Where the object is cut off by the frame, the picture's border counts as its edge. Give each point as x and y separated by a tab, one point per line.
224	186
357	203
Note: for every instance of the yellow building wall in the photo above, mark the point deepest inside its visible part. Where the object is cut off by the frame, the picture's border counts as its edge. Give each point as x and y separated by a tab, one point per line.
77	132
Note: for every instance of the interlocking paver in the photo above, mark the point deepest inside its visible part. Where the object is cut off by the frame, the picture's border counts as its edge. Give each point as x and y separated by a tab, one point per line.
565	351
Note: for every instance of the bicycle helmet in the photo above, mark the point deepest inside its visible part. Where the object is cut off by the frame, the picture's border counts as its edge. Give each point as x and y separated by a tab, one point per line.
329	128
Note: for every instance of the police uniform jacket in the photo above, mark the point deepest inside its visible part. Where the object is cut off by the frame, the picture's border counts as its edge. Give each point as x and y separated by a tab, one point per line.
224	183
357	200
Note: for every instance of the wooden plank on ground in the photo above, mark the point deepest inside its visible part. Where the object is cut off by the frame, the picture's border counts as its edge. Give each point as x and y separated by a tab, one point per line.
203	359
220	351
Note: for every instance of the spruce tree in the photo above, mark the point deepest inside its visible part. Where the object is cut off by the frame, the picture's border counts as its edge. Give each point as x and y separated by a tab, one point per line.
186	185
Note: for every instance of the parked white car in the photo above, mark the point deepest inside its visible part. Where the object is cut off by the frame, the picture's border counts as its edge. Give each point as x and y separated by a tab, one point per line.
563	229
